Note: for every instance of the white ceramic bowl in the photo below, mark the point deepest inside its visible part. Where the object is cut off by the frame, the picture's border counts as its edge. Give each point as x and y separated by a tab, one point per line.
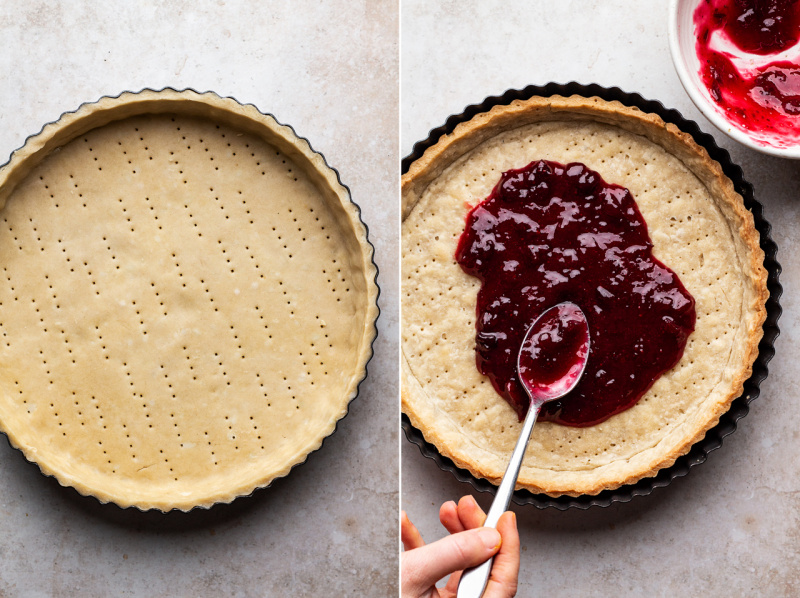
684	56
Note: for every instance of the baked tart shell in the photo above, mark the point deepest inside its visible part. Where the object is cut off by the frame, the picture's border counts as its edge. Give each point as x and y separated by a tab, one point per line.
188	299
496	136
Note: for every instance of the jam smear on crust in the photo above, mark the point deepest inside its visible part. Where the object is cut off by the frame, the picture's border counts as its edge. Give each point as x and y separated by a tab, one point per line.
759	98
550	233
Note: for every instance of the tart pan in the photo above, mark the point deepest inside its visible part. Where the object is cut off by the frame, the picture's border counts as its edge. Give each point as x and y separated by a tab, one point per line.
739	408
187	301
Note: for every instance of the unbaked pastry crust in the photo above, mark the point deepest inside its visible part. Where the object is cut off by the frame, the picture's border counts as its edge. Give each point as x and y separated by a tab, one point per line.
699	227
188	299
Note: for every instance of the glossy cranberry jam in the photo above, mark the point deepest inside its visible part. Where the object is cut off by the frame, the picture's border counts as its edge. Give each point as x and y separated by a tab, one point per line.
758	95
755	26
550	233
554	352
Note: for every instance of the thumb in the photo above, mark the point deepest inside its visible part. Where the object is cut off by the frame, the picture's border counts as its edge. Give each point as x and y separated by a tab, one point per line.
424	566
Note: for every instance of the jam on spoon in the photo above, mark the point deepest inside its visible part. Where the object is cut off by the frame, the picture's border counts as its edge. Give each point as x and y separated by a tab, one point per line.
554	352
550	362
550	233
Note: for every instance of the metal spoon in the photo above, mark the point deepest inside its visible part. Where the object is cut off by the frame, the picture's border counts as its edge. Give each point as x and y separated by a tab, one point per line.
550	363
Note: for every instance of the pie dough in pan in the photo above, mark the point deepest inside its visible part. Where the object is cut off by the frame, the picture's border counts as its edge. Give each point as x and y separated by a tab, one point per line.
699	228
187	299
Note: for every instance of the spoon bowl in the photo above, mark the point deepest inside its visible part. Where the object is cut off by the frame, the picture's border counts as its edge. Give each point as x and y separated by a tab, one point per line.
553	353
550	363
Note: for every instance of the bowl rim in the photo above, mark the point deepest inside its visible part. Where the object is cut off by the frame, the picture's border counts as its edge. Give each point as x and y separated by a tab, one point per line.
699	97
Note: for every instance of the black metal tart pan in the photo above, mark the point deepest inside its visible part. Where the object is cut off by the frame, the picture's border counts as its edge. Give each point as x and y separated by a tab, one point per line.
176	514
739	408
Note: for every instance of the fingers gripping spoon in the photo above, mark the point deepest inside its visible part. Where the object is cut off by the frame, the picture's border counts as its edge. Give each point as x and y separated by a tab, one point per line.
550	363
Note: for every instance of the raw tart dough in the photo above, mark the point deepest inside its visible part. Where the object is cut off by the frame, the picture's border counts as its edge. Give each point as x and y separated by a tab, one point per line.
699	228
187	299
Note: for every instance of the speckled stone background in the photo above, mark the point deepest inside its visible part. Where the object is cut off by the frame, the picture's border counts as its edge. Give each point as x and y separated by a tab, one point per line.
330	69
730	528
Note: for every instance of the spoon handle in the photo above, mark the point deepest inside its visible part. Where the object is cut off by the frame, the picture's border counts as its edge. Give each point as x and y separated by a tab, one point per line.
474	580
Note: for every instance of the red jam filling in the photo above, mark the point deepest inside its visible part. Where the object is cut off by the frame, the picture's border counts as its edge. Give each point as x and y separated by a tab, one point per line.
550	233
761	97
755	26
554	352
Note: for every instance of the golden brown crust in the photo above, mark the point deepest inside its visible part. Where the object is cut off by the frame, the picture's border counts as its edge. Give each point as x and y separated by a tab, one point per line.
717	256
188	299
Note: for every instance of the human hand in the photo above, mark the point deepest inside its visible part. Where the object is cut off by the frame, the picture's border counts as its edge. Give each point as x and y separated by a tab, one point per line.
469	544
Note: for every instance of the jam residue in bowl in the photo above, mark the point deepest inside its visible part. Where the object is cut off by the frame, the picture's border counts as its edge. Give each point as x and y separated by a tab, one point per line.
758	95
550	233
